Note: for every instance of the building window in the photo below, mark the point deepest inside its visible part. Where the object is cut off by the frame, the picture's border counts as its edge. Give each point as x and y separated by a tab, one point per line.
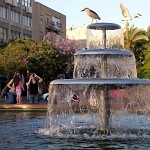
25	36
15	34
27	21
41	19
3	33
3	12
26	3
15	16
48	19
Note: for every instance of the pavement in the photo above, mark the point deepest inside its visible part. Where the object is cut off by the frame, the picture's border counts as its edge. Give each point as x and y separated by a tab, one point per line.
24	100
25	106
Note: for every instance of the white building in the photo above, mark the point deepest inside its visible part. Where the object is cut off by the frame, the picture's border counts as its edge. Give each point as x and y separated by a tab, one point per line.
94	38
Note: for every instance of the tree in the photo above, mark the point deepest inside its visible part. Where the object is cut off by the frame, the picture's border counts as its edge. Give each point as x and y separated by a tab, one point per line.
64	46
46	61
134	40
133	35
38	56
12	57
145	69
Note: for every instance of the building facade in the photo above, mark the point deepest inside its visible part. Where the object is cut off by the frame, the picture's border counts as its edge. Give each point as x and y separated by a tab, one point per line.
47	20
28	19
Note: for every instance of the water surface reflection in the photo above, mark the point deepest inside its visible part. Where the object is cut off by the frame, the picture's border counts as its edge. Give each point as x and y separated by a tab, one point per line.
26	130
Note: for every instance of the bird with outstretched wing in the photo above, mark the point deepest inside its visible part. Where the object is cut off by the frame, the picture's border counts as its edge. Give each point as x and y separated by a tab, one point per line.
126	14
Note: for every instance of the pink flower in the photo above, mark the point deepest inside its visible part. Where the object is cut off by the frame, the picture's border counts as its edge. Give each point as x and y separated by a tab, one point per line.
65	45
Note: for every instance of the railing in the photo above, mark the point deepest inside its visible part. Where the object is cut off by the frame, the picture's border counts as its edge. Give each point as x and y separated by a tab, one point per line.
53	26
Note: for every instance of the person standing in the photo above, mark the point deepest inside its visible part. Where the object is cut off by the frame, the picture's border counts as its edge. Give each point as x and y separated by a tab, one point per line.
11	99
33	84
11	94
18	87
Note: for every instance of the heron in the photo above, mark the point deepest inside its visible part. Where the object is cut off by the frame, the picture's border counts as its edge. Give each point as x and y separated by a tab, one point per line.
93	15
126	14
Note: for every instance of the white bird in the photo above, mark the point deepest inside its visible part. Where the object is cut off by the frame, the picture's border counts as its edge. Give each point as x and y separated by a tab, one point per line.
126	14
93	15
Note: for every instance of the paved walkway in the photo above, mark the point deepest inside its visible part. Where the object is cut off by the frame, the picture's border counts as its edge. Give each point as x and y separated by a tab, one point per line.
26	106
25	101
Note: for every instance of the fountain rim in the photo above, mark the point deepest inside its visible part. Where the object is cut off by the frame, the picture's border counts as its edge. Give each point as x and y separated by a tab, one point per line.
103	81
104	52
104	26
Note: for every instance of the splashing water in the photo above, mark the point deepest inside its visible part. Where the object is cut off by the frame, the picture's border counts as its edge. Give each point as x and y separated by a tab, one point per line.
109	96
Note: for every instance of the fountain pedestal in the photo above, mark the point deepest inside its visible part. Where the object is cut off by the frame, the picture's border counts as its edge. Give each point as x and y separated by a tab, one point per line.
104	109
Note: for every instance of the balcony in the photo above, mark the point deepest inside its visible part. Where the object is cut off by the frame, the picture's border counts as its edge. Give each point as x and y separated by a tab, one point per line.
29	9
14	3
52	26
8	2
58	25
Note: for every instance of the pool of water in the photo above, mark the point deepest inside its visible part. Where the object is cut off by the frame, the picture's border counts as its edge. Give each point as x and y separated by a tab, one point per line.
27	131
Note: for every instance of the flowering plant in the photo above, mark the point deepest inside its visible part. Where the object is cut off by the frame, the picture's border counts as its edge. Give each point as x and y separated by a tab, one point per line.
62	44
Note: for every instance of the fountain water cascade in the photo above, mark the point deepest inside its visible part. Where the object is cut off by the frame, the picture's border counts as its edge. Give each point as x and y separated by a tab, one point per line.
103	90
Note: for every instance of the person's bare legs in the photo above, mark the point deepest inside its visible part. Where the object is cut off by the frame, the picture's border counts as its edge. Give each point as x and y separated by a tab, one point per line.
17	99
21	100
18	92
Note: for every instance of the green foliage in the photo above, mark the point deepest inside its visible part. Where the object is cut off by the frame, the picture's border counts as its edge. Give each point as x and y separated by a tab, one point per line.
136	40
12	57
146	67
133	35
37	56
43	59
48	61
138	51
148	32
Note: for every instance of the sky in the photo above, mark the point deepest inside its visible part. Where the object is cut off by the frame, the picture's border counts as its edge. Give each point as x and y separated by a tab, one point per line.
108	10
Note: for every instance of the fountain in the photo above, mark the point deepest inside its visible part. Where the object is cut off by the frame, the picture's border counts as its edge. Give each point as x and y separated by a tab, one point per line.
104	95
104	85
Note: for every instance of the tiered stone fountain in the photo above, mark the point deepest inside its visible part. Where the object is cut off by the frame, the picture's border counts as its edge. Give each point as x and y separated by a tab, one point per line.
105	80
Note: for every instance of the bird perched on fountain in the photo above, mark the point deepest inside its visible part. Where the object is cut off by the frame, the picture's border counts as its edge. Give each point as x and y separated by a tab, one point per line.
126	14
93	15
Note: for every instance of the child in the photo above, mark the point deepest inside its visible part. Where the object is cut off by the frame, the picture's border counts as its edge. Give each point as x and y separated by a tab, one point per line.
18	87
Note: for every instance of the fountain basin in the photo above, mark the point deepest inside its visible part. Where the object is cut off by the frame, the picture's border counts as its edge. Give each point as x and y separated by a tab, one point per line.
104	52
117	93
104	63
103	81
104	26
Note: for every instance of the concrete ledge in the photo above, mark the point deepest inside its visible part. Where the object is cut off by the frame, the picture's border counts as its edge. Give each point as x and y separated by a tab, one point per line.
23	107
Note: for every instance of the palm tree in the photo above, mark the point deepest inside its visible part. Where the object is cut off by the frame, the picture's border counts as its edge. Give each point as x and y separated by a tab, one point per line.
133	35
